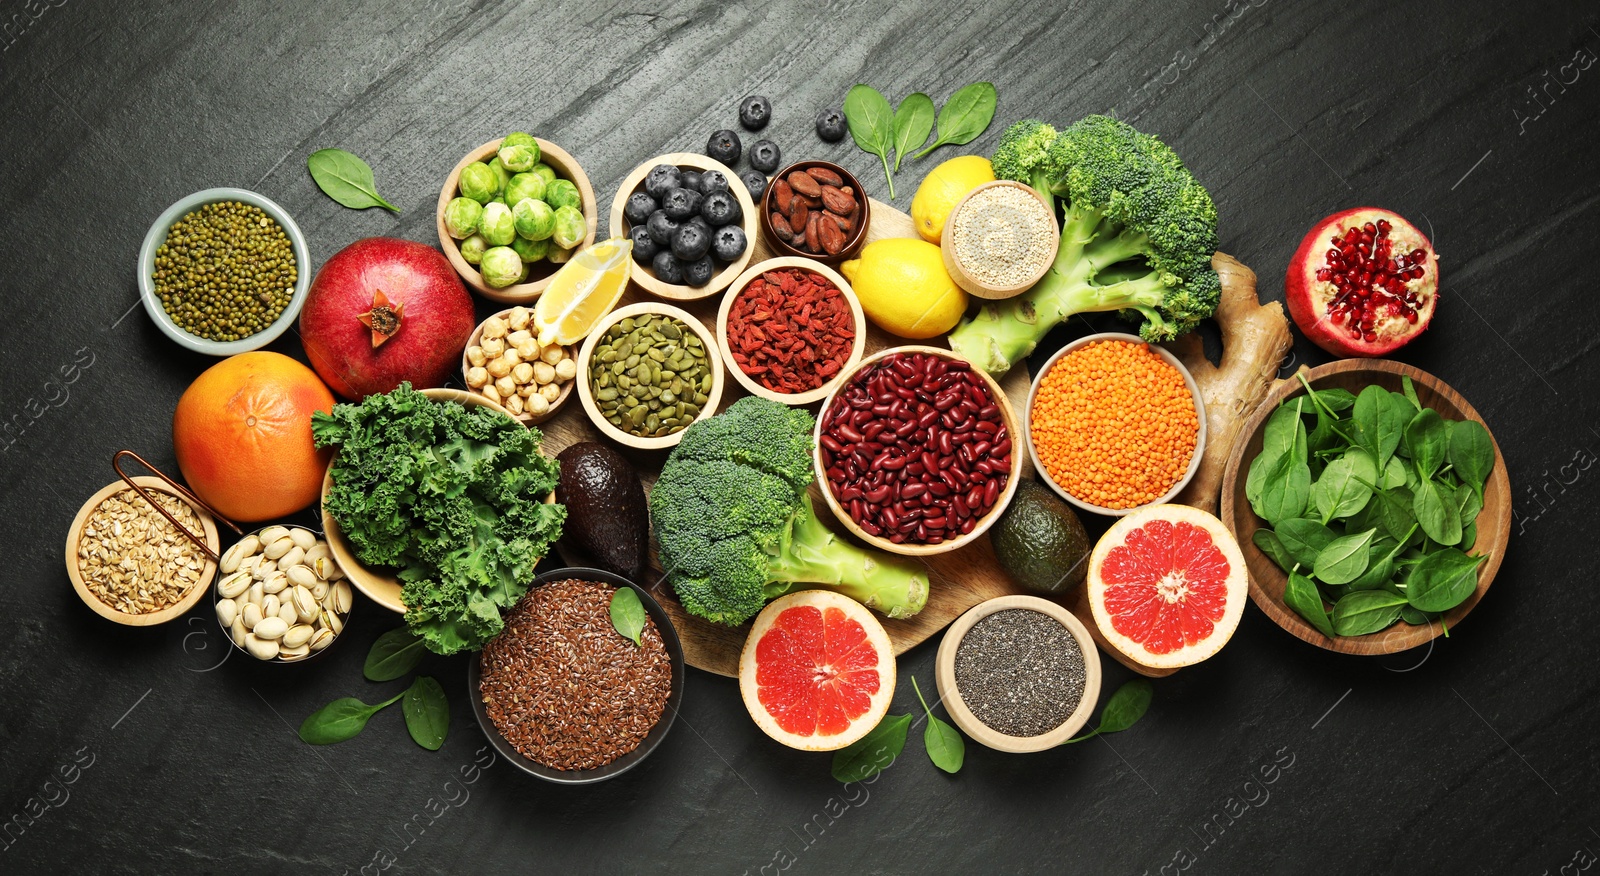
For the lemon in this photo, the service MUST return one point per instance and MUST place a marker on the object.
(904, 287)
(944, 186)
(582, 292)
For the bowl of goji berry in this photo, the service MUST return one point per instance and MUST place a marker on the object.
(790, 329)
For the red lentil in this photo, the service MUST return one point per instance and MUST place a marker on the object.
(791, 330)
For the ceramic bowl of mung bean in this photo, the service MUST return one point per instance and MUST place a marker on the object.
(130, 564)
(646, 372)
(280, 596)
(1000, 239)
(224, 271)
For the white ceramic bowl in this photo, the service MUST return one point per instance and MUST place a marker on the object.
(157, 235)
(1194, 393)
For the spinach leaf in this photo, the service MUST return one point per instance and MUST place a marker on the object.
(1344, 487)
(1410, 392)
(1414, 617)
(1336, 399)
(1426, 440)
(1469, 536)
(1470, 504)
(340, 720)
(394, 654)
(1394, 511)
(913, 122)
(1471, 452)
(1255, 480)
(965, 115)
(627, 614)
(1287, 490)
(346, 179)
(1366, 611)
(1378, 423)
(874, 752)
(945, 746)
(1122, 711)
(871, 122)
(1285, 432)
(1345, 558)
(1273, 547)
(1443, 580)
(1301, 595)
(1394, 474)
(427, 712)
(1437, 513)
(1304, 539)
(1380, 566)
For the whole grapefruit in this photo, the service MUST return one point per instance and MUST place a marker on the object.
(242, 434)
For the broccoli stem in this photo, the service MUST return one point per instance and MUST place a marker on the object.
(1004, 332)
(812, 557)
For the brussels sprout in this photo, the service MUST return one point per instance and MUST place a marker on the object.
(519, 152)
(461, 217)
(524, 185)
(501, 267)
(501, 175)
(479, 183)
(531, 250)
(498, 226)
(472, 248)
(545, 171)
(562, 193)
(559, 256)
(534, 219)
(570, 228)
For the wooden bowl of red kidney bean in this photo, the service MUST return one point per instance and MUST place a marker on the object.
(789, 329)
(917, 451)
(817, 210)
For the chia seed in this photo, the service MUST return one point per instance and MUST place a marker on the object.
(1020, 672)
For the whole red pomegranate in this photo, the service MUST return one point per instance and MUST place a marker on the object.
(382, 311)
(1364, 282)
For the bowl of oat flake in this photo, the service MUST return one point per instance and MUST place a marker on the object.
(1000, 239)
(130, 564)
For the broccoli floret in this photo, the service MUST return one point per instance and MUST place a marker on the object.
(1137, 235)
(736, 527)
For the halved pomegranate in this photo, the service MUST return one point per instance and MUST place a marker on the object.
(1364, 282)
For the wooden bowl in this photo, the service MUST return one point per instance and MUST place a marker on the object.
(642, 277)
(1194, 393)
(540, 273)
(950, 693)
(979, 288)
(1267, 581)
(1007, 416)
(815, 267)
(195, 593)
(586, 356)
(527, 418)
(382, 587)
(852, 244)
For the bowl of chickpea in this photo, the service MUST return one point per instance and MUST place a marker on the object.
(504, 362)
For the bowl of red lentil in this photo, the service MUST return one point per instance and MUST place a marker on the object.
(916, 451)
(1115, 424)
(565, 697)
(130, 564)
(789, 328)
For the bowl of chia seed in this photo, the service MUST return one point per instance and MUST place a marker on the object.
(1018, 673)
(224, 271)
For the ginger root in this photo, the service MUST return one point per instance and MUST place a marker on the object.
(1255, 337)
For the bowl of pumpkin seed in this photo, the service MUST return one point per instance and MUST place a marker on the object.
(224, 271)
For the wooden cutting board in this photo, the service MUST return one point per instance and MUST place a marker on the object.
(958, 580)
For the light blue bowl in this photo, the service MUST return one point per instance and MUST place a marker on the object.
(157, 235)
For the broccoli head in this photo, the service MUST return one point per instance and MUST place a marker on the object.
(736, 527)
(1137, 235)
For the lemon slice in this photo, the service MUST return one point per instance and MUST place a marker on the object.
(582, 292)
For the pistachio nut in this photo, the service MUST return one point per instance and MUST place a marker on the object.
(270, 628)
(304, 539)
(259, 648)
(251, 614)
(321, 639)
(234, 585)
(298, 635)
(278, 548)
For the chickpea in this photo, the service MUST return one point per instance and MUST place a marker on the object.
(553, 354)
(511, 357)
(518, 338)
(493, 347)
(566, 369)
(477, 376)
(494, 327)
(550, 391)
(529, 350)
(490, 393)
(543, 373)
(527, 389)
(518, 318)
(475, 355)
(514, 404)
(537, 405)
(522, 373)
(506, 387)
(498, 367)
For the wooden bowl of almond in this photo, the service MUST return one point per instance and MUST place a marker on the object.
(130, 564)
(282, 597)
(504, 363)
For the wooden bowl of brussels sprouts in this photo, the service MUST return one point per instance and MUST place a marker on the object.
(464, 228)
(738, 212)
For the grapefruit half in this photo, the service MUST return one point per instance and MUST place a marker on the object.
(817, 671)
(1167, 586)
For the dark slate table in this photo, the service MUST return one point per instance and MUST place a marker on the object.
(1476, 120)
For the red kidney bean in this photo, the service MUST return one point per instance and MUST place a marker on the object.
(878, 495)
(979, 449)
(945, 444)
(849, 433)
(987, 427)
(939, 488)
(974, 497)
(991, 493)
(927, 419)
(968, 524)
(913, 490)
(1001, 447)
(829, 442)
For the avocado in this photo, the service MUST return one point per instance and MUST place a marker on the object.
(608, 521)
(1040, 541)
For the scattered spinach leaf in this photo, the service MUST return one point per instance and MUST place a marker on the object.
(627, 614)
(965, 115)
(1345, 558)
(1123, 710)
(427, 712)
(945, 746)
(1301, 595)
(1443, 580)
(1366, 611)
(394, 654)
(913, 122)
(871, 122)
(874, 752)
(1414, 617)
(340, 720)
(346, 179)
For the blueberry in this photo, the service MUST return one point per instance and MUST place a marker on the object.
(663, 178)
(680, 204)
(666, 268)
(713, 181)
(644, 247)
(721, 208)
(661, 227)
(728, 243)
(831, 125)
(724, 147)
(756, 182)
(691, 242)
(765, 155)
(699, 272)
(640, 206)
(689, 179)
(755, 112)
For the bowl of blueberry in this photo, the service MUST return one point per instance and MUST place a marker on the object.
(692, 222)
